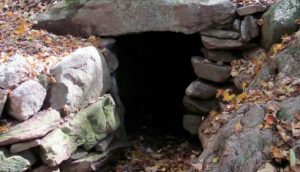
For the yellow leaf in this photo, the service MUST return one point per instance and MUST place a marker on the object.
(21, 28)
(238, 127)
(219, 93)
(227, 97)
(213, 113)
(241, 97)
(10, 14)
(278, 153)
(277, 48)
(48, 40)
(244, 85)
(215, 160)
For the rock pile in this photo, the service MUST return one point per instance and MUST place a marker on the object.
(69, 120)
(213, 70)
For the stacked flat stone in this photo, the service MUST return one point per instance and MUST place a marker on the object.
(73, 123)
(213, 70)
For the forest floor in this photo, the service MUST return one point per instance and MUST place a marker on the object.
(145, 152)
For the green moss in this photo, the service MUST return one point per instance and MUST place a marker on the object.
(283, 115)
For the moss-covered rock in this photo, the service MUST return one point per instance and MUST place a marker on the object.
(15, 162)
(279, 20)
(86, 129)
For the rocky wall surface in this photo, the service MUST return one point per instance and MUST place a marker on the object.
(64, 120)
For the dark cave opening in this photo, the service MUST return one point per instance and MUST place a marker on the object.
(154, 71)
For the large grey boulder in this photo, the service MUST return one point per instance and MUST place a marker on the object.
(37, 126)
(116, 17)
(13, 72)
(288, 109)
(244, 150)
(279, 20)
(80, 79)
(288, 61)
(86, 129)
(26, 100)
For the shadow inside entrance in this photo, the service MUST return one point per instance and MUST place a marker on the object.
(154, 71)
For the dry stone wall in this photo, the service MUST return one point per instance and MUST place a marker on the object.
(66, 119)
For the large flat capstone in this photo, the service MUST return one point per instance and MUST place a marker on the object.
(117, 17)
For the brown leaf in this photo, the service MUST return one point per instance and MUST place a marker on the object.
(199, 166)
(238, 128)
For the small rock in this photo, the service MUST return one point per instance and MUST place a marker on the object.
(201, 89)
(80, 79)
(226, 44)
(218, 55)
(35, 127)
(103, 145)
(251, 9)
(191, 123)
(210, 71)
(45, 168)
(237, 25)
(15, 71)
(26, 100)
(3, 98)
(19, 147)
(222, 34)
(111, 59)
(199, 106)
(249, 28)
(16, 162)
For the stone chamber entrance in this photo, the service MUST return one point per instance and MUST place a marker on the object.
(154, 71)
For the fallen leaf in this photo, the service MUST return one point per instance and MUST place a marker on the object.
(213, 113)
(21, 28)
(270, 119)
(277, 48)
(234, 73)
(295, 129)
(241, 97)
(238, 128)
(278, 153)
(227, 97)
(198, 166)
(215, 160)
